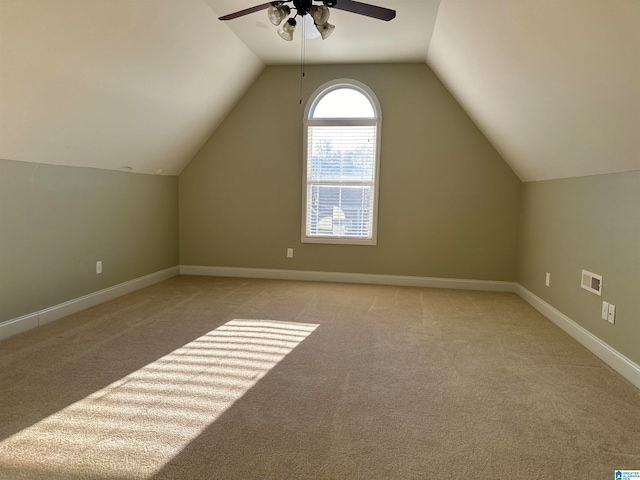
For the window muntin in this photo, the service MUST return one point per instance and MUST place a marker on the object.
(342, 124)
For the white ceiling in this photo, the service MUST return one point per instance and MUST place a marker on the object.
(553, 84)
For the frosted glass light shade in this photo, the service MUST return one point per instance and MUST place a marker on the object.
(320, 14)
(325, 30)
(278, 14)
(286, 31)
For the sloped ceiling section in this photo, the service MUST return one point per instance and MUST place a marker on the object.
(553, 84)
(116, 83)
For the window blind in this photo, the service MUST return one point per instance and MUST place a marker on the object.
(341, 168)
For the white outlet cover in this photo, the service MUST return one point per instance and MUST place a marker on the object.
(612, 313)
(605, 311)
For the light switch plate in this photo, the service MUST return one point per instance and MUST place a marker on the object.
(605, 311)
(612, 313)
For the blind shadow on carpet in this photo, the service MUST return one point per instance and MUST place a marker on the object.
(133, 427)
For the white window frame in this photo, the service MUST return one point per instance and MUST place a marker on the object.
(307, 122)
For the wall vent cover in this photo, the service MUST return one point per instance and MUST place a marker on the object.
(592, 282)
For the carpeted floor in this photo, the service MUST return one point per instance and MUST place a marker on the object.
(212, 378)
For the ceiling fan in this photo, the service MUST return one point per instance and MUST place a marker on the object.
(318, 14)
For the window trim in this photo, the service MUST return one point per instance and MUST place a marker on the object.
(315, 98)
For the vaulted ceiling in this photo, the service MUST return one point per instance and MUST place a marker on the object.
(553, 84)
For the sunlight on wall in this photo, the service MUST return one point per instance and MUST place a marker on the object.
(133, 427)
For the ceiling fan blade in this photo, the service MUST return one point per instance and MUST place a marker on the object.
(246, 11)
(372, 11)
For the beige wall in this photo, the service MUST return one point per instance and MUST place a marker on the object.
(448, 202)
(56, 222)
(590, 223)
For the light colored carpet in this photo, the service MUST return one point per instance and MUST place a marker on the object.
(211, 378)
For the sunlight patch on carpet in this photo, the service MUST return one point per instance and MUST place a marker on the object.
(133, 427)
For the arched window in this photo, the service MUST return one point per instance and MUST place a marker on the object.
(341, 164)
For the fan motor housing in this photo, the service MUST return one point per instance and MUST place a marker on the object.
(302, 6)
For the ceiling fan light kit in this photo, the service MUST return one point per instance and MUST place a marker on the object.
(318, 15)
(277, 11)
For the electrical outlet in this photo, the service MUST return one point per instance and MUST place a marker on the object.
(547, 279)
(99, 267)
(289, 252)
(605, 311)
(612, 314)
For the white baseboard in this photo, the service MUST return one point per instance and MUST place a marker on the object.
(338, 277)
(621, 364)
(42, 317)
(18, 325)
